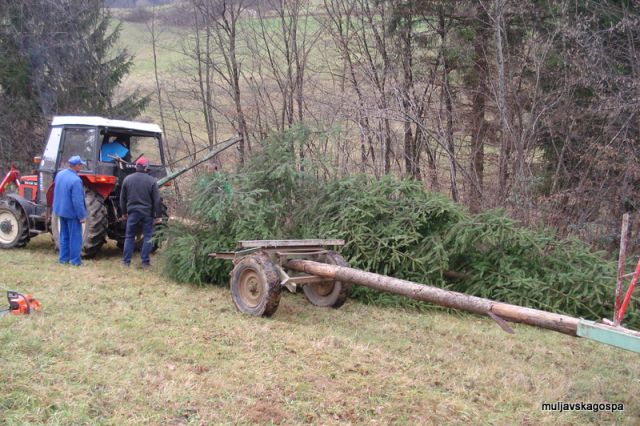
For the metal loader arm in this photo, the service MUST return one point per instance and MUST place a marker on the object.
(213, 152)
(12, 176)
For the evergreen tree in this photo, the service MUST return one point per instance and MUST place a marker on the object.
(57, 57)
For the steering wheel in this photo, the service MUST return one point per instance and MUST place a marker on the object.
(118, 159)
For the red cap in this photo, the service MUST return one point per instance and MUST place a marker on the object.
(142, 162)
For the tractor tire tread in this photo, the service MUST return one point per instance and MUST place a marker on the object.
(258, 262)
(97, 222)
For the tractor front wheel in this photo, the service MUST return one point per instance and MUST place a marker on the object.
(94, 229)
(14, 225)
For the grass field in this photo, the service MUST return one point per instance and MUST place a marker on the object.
(118, 346)
(136, 38)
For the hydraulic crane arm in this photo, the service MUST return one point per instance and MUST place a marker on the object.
(212, 153)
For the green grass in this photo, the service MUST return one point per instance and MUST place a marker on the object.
(136, 38)
(116, 346)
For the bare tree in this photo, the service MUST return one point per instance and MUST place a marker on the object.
(340, 25)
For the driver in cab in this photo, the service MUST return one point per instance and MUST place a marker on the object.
(114, 148)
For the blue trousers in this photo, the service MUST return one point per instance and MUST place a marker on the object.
(70, 241)
(134, 220)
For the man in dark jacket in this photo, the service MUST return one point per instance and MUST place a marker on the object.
(68, 205)
(140, 204)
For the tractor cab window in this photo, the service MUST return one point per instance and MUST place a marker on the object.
(149, 146)
(50, 155)
(115, 147)
(82, 142)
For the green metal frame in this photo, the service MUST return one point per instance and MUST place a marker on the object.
(614, 336)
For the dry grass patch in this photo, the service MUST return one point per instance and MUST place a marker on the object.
(118, 346)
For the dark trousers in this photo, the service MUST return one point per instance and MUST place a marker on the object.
(70, 241)
(134, 220)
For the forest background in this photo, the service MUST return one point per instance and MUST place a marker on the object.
(530, 106)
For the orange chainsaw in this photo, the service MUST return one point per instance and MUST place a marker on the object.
(20, 304)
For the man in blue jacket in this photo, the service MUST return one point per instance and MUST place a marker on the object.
(68, 205)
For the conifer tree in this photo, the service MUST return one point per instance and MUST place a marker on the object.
(57, 57)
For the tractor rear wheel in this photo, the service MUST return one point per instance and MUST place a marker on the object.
(328, 293)
(94, 233)
(255, 286)
(94, 229)
(14, 224)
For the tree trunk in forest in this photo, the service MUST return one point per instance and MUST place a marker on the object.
(446, 98)
(434, 182)
(234, 71)
(411, 154)
(381, 78)
(203, 62)
(505, 134)
(478, 122)
(387, 145)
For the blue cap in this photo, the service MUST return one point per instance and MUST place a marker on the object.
(75, 160)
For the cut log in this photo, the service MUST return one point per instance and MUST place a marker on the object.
(450, 299)
(557, 322)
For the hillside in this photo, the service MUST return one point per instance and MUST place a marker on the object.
(124, 346)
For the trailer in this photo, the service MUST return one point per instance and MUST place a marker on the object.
(260, 273)
(262, 268)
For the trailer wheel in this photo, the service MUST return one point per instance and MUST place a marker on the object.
(255, 286)
(14, 225)
(328, 293)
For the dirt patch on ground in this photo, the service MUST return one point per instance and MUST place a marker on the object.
(263, 412)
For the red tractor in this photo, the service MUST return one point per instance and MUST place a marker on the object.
(28, 212)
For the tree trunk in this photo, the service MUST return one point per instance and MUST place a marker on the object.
(478, 122)
(446, 98)
(204, 74)
(235, 75)
(411, 153)
(505, 134)
(450, 299)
